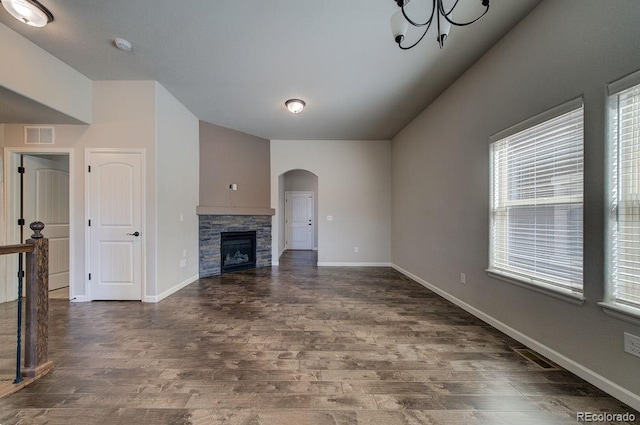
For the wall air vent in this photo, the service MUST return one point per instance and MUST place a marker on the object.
(37, 135)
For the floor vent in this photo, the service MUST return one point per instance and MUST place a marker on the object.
(536, 358)
(37, 135)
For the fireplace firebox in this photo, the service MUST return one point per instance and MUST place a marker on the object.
(237, 251)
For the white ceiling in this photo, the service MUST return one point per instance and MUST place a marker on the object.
(234, 63)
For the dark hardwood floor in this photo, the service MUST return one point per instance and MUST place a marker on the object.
(293, 344)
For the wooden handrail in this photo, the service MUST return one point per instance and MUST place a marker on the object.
(16, 249)
(36, 331)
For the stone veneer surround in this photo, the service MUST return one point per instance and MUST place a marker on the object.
(211, 226)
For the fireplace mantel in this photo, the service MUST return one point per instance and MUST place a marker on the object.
(207, 210)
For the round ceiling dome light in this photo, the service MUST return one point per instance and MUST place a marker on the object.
(29, 12)
(122, 44)
(295, 106)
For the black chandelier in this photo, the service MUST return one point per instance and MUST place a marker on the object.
(441, 13)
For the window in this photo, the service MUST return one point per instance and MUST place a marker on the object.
(623, 241)
(537, 201)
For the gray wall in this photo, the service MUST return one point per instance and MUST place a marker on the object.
(177, 146)
(354, 188)
(440, 174)
(229, 156)
(64, 89)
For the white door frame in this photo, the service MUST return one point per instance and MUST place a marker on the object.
(12, 199)
(143, 201)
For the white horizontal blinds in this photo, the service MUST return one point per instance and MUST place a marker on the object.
(625, 241)
(537, 202)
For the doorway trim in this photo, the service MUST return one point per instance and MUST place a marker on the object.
(11, 198)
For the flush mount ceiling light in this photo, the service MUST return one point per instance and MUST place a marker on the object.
(295, 106)
(441, 16)
(30, 12)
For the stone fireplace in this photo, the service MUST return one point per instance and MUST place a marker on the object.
(239, 232)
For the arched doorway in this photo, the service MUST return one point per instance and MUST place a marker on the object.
(298, 211)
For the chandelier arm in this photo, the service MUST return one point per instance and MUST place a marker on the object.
(416, 24)
(416, 43)
(445, 13)
(464, 24)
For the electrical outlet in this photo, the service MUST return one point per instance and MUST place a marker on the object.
(356, 249)
(184, 253)
(329, 218)
(463, 278)
(183, 263)
(181, 217)
(632, 344)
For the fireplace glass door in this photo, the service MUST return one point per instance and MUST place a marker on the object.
(238, 251)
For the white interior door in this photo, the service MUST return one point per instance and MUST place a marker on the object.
(46, 199)
(115, 230)
(299, 222)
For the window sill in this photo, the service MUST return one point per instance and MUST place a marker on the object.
(621, 312)
(567, 295)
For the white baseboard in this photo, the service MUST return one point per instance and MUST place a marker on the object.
(345, 264)
(583, 372)
(173, 290)
(277, 262)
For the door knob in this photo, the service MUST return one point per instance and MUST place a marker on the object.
(136, 234)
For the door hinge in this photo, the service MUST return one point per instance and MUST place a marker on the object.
(21, 222)
(89, 276)
(20, 274)
(89, 168)
(21, 170)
